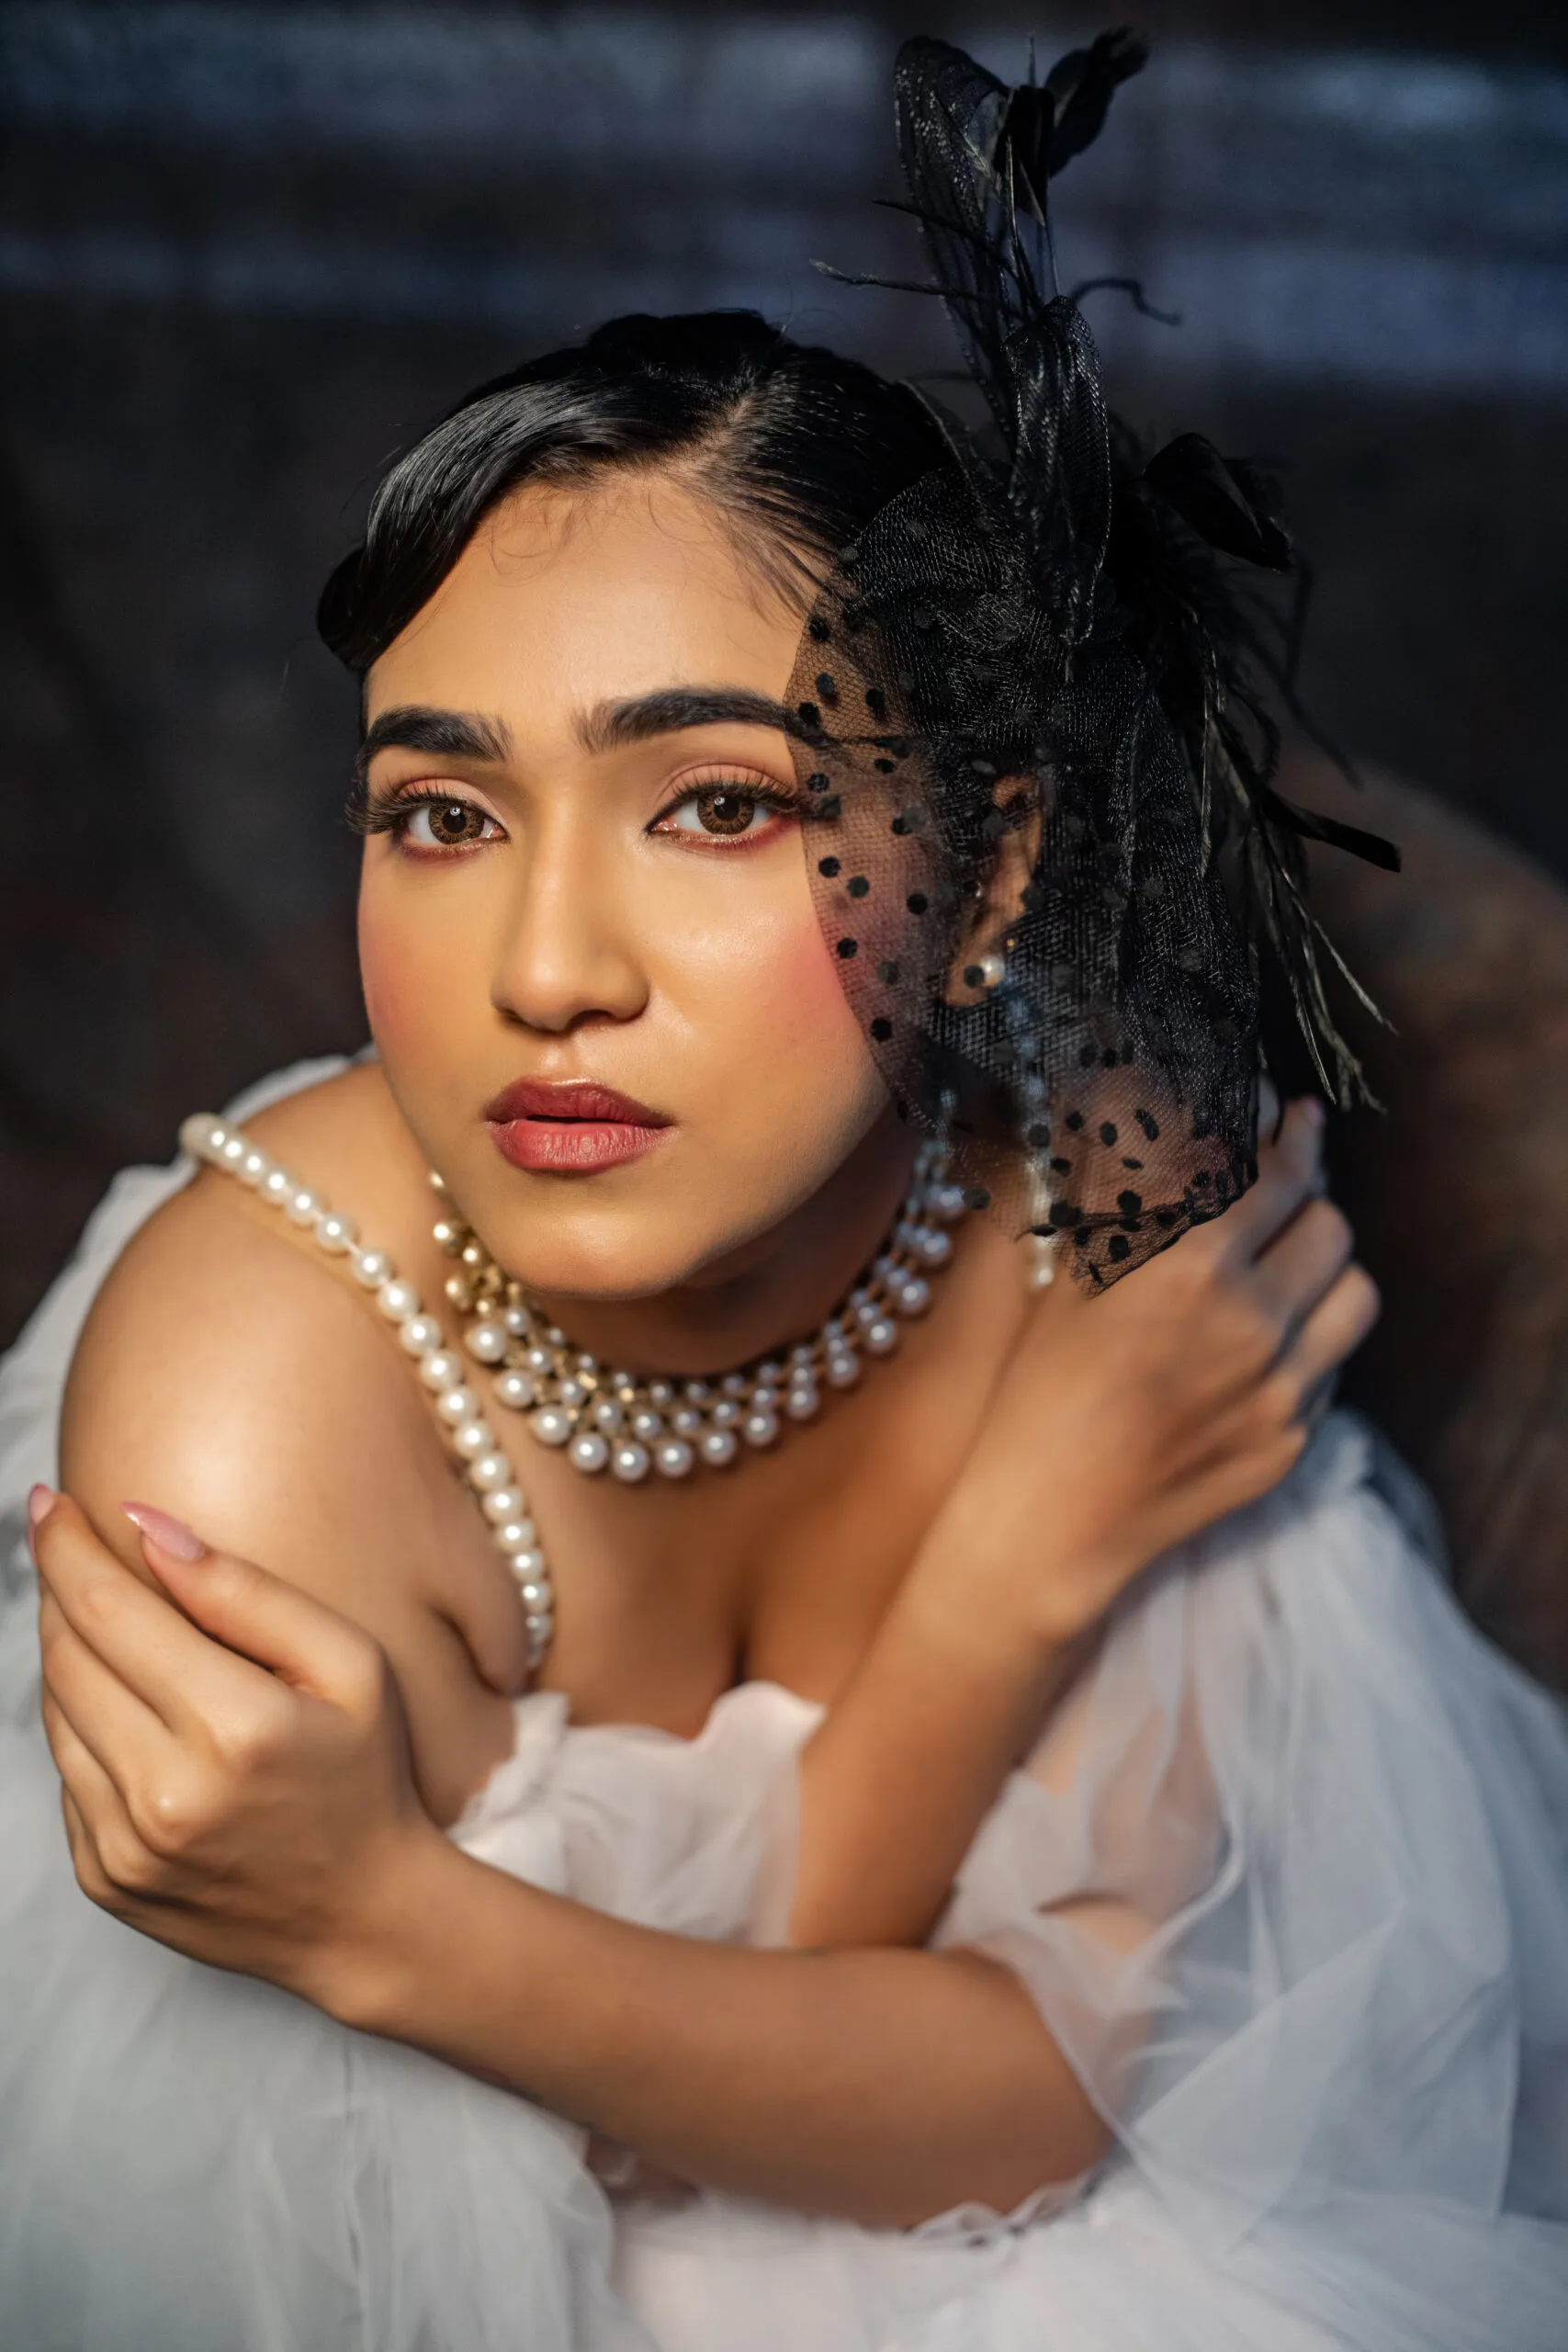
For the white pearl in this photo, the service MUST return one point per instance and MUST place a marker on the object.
(913, 1296)
(698, 1392)
(763, 1398)
(516, 1319)
(760, 1429)
(571, 1392)
(202, 1133)
(734, 1384)
(802, 1403)
(275, 1187)
(488, 1471)
(505, 1503)
(397, 1300)
(443, 1370)
(233, 1149)
(419, 1334)
(372, 1267)
(304, 1208)
(551, 1425)
(487, 1340)
(993, 970)
(456, 1404)
(446, 1235)
(661, 1395)
(725, 1414)
(867, 1313)
(946, 1201)
(473, 1441)
(686, 1421)
(540, 1629)
(516, 1390)
(802, 1356)
(555, 1335)
(630, 1462)
(334, 1233)
(843, 1369)
(674, 1458)
(589, 1452)
(646, 1426)
(881, 1337)
(253, 1166)
(860, 1296)
(936, 1249)
(539, 1359)
(832, 1331)
(718, 1446)
(607, 1414)
(532, 1594)
(516, 1536)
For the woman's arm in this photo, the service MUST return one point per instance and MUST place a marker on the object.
(1120, 1427)
(238, 1785)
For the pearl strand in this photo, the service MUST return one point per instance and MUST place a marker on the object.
(630, 1424)
(483, 1461)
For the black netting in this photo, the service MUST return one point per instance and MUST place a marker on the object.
(1033, 665)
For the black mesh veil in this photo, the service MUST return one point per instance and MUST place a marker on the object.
(1067, 900)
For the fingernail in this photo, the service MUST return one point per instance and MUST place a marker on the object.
(40, 1502)
(171, 1535)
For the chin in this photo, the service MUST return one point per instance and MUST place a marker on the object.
(574, 1247)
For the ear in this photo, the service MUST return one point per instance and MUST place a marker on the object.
(980, 956)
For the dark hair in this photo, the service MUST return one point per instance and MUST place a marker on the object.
(789, 439)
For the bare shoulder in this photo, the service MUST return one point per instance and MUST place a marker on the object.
(230, 1373)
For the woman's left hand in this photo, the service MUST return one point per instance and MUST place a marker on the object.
(235, 1762)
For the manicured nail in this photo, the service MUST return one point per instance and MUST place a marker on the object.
(171, 1535)
(40, 1502)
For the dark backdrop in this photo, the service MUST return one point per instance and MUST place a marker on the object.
(247, 251)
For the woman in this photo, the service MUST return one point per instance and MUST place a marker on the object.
(811, 1810)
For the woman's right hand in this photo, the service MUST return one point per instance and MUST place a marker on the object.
(1126, 1422)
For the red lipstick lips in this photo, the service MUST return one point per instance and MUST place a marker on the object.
(570, 1126)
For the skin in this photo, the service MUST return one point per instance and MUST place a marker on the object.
(256, 1759)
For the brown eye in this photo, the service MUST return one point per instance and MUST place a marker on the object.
(447, 824)
(723, 811)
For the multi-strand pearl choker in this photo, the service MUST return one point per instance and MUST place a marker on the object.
(612, 1419)
(628, 1424)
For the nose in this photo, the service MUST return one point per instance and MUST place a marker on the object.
(569, 953)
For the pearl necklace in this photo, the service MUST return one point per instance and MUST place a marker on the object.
(481, 1458)
(630, 1424)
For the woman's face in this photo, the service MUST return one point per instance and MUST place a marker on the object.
(591, 958)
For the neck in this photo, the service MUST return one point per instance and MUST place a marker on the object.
(772, 1289)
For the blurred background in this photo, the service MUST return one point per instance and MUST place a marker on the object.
(248, 251)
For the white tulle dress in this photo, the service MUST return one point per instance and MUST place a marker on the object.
(1342, 1819)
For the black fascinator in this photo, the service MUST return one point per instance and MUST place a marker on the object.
(1035, 731)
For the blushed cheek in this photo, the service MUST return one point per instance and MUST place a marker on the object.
(401, 971)
(794, 1035)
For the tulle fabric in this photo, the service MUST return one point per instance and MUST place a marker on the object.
(1288, 1878)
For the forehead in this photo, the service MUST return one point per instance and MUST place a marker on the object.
(565, 598)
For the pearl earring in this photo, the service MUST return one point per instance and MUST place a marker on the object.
(988, 972)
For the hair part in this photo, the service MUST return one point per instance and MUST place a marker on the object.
(793, 445)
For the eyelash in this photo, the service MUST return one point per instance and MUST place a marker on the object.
(368, 813)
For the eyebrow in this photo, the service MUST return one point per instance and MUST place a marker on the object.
(420, 727)
(611, 725)
(607, 727)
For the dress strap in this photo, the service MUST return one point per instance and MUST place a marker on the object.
(484, 1465)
